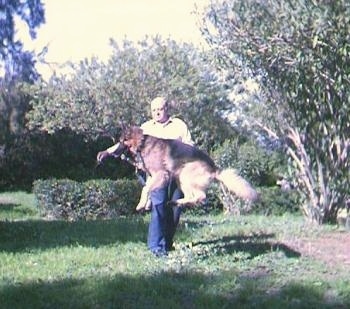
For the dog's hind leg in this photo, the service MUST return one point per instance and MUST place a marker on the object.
(191, 197)
(193, 179)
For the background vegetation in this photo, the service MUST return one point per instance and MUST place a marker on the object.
(265, 86)
(269, 97)
(298, 51)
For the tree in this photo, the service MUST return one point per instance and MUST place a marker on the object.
(300, 51)
(16, 64)
(98, 97)
(14, 60)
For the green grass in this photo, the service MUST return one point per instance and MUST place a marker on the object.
(17, 205)
(219, 262)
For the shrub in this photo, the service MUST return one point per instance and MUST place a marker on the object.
(262, 168)
(72, 200)
(275, 201)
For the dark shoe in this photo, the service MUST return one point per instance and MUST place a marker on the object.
(170, 248)
(160, 253)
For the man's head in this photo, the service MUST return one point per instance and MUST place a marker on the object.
(159, 109)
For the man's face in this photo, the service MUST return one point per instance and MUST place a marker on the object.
(159, 112)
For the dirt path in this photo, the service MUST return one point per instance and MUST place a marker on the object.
(332, 248)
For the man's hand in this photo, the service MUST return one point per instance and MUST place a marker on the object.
(102, 155)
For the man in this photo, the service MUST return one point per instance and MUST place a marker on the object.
(163, 126)
(164, 219)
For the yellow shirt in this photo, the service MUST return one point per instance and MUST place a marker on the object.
(173, 128)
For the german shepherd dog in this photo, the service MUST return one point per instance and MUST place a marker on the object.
(193, 170)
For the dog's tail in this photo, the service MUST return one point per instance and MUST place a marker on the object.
(237, 184)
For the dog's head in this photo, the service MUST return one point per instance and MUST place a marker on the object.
(131, 137)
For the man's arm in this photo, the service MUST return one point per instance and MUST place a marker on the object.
(115, 151)
(186, 137)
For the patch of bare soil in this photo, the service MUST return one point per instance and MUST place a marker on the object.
(331, 248)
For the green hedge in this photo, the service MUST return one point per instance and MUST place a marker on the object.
(72, 200)
(275, 201)
(262, 168)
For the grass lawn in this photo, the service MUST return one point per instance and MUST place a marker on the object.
(219, 262)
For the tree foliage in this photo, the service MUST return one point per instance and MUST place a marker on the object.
(16, 65)
(98, 97)
(300, 50)
(16, 62)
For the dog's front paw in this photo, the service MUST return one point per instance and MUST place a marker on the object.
(148, 205)
(140, 207)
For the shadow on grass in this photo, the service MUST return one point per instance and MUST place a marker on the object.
(163, 290)
(20, 236)
(8, 206)
(254, 245)
(15, 210)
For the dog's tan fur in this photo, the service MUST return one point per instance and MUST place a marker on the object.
(192, 169)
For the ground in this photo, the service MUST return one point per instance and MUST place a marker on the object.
(332, 248)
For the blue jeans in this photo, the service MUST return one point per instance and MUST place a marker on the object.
(164, 218)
